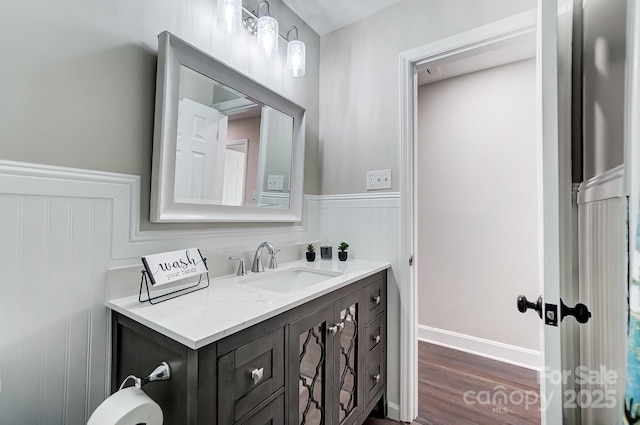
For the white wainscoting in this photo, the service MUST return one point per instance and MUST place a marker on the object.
(603, 256)
(370, 224)
(61, 230)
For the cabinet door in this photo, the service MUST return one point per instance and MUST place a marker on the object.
(310, 369)
(348, 357)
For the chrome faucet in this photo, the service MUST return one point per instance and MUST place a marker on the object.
(257, 266)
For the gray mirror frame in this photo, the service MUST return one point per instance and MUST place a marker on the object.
(172, 53)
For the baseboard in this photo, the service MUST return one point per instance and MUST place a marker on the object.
(506, 353)
(393, 411)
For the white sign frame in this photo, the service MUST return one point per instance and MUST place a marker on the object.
(169, 267)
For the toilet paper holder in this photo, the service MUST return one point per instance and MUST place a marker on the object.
(161, 373)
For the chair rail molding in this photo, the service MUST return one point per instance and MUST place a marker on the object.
(123, 190)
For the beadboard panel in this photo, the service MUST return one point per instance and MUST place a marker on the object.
(603, 288)
(62, 230)
(53, 323)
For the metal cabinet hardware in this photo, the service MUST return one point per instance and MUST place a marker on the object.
(257, 375)
(335, 328)
(376, 299)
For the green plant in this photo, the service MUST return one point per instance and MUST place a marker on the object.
(311, 248)
(343, 246)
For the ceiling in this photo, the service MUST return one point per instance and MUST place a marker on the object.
(516, 49)
(325, 16)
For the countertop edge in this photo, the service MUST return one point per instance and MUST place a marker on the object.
(194, 344)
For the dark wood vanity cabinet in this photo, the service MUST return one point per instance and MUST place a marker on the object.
(323, 362)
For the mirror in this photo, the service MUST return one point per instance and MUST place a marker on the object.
(225, 147)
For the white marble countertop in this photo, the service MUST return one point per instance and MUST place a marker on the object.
(231, 303)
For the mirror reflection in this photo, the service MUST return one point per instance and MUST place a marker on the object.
(230, 149)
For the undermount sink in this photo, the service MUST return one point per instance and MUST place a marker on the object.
(290, 280)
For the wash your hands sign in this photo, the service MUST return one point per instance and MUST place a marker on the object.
(168, 267)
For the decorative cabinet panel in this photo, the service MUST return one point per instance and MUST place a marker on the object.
(321, 363)
(348, 358)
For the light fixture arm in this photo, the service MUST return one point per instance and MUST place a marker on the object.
(291, 28)
(250, 20)
(260, 5)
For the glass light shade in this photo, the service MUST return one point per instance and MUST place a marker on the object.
(296, 57)
(229, 16)
(267, 36)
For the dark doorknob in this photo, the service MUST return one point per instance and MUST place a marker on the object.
(580, 312)
(524, 304)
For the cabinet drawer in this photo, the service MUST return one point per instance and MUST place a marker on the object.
(376, 299)
(375, 336)
(248, 375)
(375, 378)
(273, 414)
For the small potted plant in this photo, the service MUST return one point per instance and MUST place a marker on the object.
(342, 248)
(311, 253)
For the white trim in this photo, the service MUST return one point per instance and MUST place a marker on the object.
(355, 196)
(393, 411)
(479, 38)
(494, 350)
(129, 242)
(610, 184)
(387, 199)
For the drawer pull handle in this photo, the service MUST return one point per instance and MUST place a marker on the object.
(376, 339)
(257, 375)
(376, 299)
(335, 328)
(376, 378)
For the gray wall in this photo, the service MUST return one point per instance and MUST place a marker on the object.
(477, 204)
(359, 86)
(603, 61)
(79, 80)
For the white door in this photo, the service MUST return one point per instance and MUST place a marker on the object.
(200, 153)
(234, 177)
(554, 101)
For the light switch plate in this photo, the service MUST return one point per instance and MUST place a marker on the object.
(380, 179)
(275, 182)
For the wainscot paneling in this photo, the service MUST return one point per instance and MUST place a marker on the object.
(602, 224)
(370, 224)
(61, 230)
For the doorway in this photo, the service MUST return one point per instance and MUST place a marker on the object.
(477, 234)
(552, 27)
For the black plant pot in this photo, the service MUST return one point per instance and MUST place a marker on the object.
(311, 257)
(342, 255)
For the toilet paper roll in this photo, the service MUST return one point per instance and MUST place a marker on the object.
(128, 406)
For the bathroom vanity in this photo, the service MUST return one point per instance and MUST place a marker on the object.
(304, 344)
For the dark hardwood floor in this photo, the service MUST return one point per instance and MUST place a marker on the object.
(457, 388)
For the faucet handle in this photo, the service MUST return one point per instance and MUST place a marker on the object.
(273, 264)
(242, 270)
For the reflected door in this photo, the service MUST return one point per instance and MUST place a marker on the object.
(200, 153)
(234, 175)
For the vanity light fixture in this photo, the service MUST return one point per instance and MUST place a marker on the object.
(295, 54)
(229, 16)
(267, 33)
(265, 28)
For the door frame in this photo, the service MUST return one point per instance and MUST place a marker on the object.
(485, 37)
